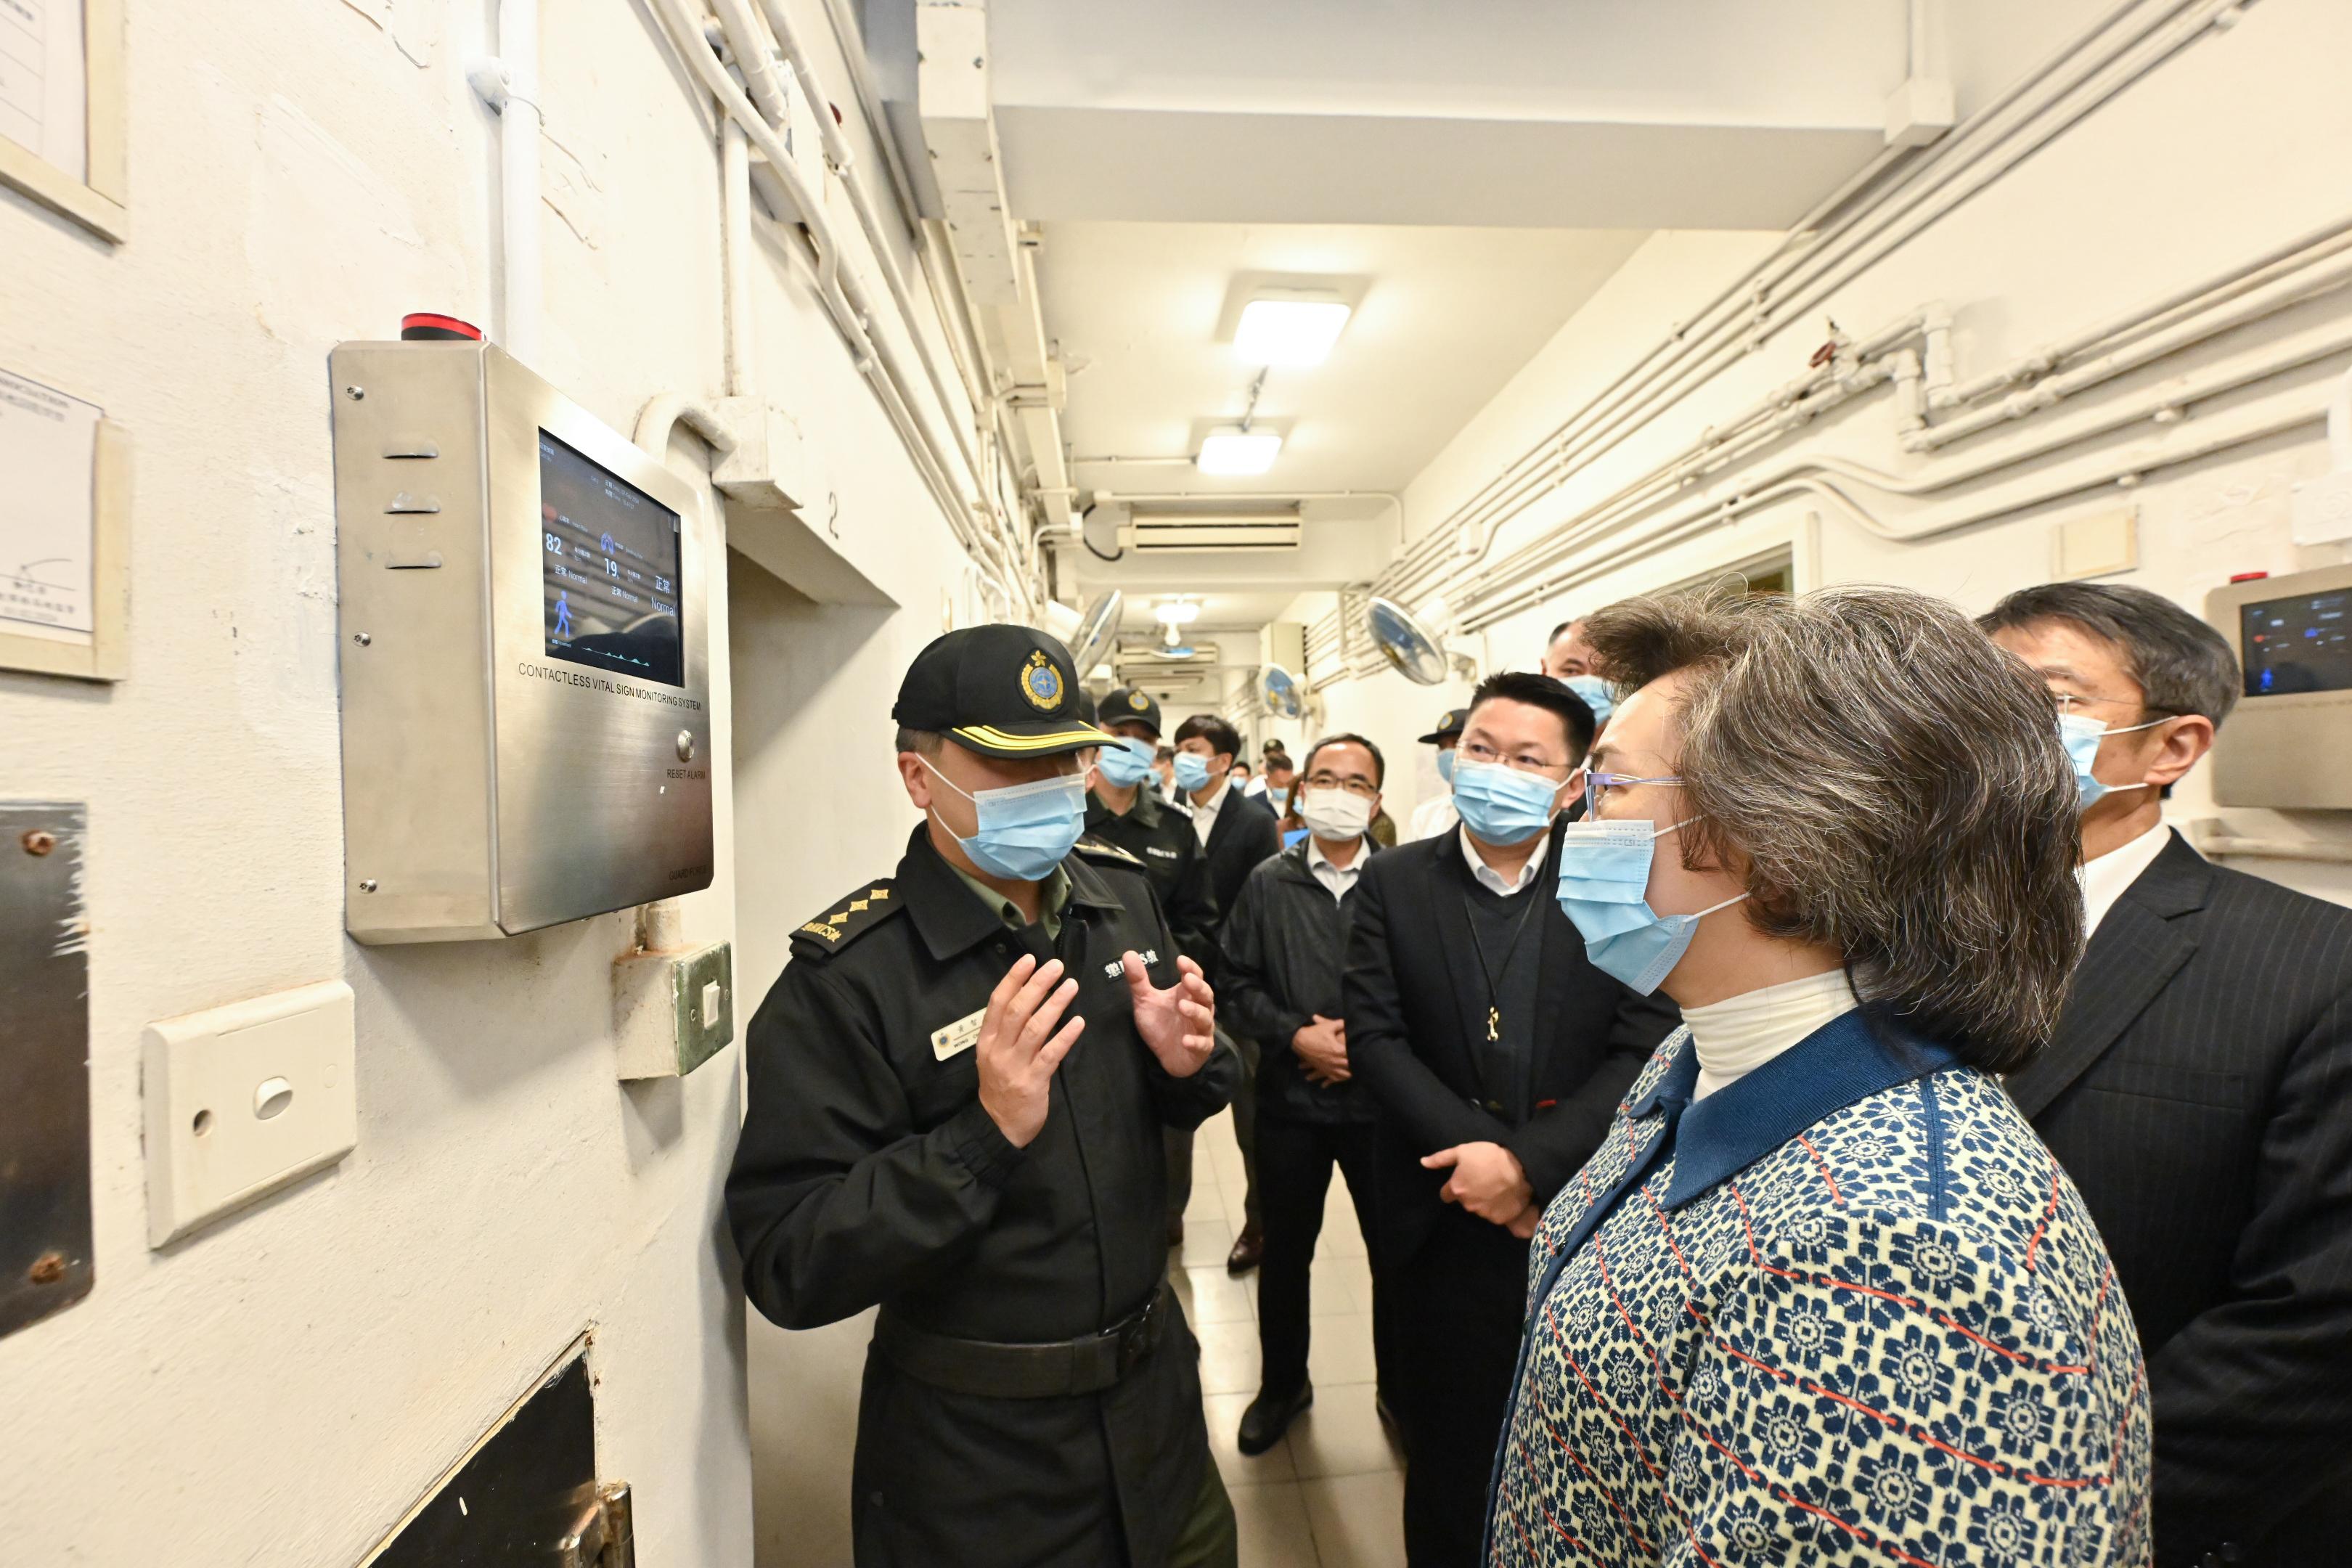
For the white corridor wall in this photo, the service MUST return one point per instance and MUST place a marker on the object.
(276, 1390)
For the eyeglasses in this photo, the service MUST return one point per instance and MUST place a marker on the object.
(1526, 762)
(1356, 787)
(1598, 785)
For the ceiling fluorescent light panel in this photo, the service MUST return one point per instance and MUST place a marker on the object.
(1289, 329)
(1238, 452)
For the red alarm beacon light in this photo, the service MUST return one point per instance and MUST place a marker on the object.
(424, 326)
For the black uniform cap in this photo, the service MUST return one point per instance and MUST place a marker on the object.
(1126, 704)
(1003, 691)
(1449, 723)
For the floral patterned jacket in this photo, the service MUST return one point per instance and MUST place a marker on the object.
(1848, 1308)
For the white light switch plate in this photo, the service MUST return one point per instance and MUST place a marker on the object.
(243, 1099)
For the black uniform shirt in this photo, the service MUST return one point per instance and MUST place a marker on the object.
(869, 1172)
(1159, 833)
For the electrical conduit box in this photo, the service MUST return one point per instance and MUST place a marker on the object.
(524, 652)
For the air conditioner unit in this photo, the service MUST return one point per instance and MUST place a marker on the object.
(1149, 532)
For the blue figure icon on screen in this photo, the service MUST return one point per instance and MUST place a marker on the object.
(607, 542)
(564, 617)
(2269, 677)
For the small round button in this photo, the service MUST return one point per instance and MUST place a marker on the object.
(685, 745)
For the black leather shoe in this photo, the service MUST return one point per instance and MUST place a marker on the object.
(1268, 1418)
(1249, 1247)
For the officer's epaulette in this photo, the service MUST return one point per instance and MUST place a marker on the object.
(849, 919)
(1102, 850)
(1179, 806)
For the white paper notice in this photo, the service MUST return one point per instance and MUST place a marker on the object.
(44, 81)
(48, 509)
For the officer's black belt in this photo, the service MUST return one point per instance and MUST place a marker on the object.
(1087, 1364)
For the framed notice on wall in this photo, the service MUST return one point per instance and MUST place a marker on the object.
(65, 556)
(61, 134)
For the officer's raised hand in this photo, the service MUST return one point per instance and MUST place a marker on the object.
(1179, 1024)
(1019, 1049)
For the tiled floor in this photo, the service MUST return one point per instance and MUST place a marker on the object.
(1331, 1493)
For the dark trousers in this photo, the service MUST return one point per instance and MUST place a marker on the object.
(1459, 1302)
(1294, 1169)
(1178, 1143)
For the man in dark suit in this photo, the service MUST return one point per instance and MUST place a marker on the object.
(1236, 831)
(2200, 1092)
(1496, 1054)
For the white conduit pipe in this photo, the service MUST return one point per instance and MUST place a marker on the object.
(835, 288)
(1982, 133)
(735, 204)
(516, 96)
(2165, 401)
(2183, 444)
(2326, 240)
(879, 243)
(2048, 392)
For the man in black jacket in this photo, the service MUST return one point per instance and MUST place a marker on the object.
(1285, 942)
(1236, 832)
(1122, 808)
(2200, 1092)
(1497, 1053)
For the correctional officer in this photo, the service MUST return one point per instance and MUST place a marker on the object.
(1122, 809)
(957, 1092)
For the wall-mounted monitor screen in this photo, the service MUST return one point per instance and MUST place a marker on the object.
(2298, 644)
(611, 555)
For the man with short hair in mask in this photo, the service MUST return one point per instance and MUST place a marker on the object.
(1283, 941)
(1497, 1053)
(2199, 1090)
(1121, 810)
(1566, 654)
(956, 1095)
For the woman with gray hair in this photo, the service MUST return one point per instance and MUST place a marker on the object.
(1822, 1295)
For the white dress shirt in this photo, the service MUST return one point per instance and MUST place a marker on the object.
(1432, 817)
(2105, 879)
(1492, 880)
(1337, 878)
(1205, 813)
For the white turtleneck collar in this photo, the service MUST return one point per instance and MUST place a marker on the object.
(1736, 1035)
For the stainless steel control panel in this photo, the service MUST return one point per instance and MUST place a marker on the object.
(2289, 744)
(524, 652)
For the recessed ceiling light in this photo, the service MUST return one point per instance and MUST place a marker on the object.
(1289, 329)
(1238, 451)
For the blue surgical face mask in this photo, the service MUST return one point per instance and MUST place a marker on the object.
(2081, 735)
(1604, 879)
(1597, 695)
(1192, 771)
(1126, 764)
(1503, 806)
(1446, 764)
(1021, 831)
(1278, 797)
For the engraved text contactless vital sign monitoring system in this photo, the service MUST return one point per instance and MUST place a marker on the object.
(525, 666)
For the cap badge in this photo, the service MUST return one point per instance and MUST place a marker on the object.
(1137, 700)
(1041, 682)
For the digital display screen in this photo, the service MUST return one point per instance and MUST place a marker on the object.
(2303, 644)
(611, 557)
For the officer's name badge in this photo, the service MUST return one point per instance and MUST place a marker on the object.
(957, 1038)
(1116, 968)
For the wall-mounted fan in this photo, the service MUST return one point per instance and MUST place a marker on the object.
(1410, 646)
(1283, 697)
(1090, 644)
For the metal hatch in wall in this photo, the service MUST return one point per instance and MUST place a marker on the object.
(526, 1495)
